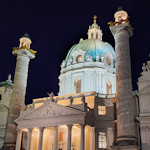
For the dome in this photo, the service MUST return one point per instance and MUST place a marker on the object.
(92, 47)
(26, 35)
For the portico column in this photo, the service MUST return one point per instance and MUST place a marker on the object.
(82, 135)
(69, 137)
(29, 138)
(18, 142)
(56, 138)
(40, 138)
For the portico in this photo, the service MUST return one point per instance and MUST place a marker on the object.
(63, 137)
(46, 128)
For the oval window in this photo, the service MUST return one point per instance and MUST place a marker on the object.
(108, 61)
(79, 58)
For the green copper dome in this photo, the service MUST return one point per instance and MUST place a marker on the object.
(92, 47)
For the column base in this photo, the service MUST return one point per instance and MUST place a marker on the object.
(126, 147)
(126, 143)
(9, 147)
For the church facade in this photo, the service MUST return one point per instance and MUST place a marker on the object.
(87, 114)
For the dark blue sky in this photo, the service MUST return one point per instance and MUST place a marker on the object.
(54, 26)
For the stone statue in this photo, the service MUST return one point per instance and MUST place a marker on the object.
(56, 99)
(91, 58)
(69, 61)
(97, 58)
(83, 99)
(51, 95)
(144, 67)
(9, 78)
(23, 107)
(148, 66)
(88, 58)
(63, 64)
(102, 58)
(71, 100)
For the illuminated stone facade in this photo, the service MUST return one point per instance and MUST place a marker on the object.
(76, 117)
(86, 115)
(82, 116)
(5, 96)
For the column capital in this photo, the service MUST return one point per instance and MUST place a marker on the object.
(41, 128)
(29, 130)
(23, 52)
(82, 135)
(82, 124)
(69, 125)
(18, 129)
(124, 26)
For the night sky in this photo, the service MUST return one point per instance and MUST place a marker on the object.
(54, 26)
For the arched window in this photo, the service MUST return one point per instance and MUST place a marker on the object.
(22, 43)
(109, 87)
(102, 140)
(96, 35)
(77, 86)
(27, 44)
(119, 18)
(92, 35)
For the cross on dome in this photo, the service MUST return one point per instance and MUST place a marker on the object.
(95, 17)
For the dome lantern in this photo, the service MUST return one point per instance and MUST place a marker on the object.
(120, 15)
(25, 41)
(94, 31)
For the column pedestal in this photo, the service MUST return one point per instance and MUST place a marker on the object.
(125, 147)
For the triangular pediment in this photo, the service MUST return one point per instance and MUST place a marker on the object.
(49, 109)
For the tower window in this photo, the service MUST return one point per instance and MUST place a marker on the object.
(97, 35)
(0, 97)
(102, 110)
(109, 87)
(21, 43)
(77, 86)
(119, 18)
(102, 140)
(92, 35)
